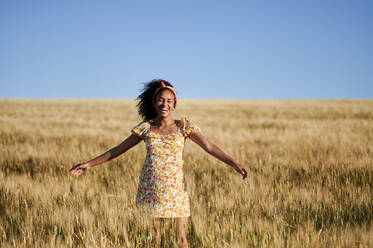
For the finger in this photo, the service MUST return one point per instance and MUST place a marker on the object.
(76, 172)
(80, 171)
(244, 173)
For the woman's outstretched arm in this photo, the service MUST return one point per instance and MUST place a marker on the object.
(214, 150)
(127, 144)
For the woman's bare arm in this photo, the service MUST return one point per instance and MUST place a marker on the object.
(114, 152)
(214, 150)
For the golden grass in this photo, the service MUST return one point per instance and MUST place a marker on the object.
(310, 178)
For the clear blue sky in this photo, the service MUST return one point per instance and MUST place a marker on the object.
(207, 49)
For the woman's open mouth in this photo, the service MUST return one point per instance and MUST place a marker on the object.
(164, 110)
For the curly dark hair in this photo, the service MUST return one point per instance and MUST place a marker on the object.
(145, 104)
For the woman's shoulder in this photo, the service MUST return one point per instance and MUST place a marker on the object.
(143, 124)
(141, 128)
(187, 126)
(184, 119)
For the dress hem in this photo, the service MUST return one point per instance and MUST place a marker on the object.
(169, 217)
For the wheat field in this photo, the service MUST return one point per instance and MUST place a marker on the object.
(310, 180)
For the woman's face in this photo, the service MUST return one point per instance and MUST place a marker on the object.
(164, 104)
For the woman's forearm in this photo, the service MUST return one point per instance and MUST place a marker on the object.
(219, 154)
(212, 149)
(114, 152)
(99, 160)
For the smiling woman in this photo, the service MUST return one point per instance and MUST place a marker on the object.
(150, 97)
(161, 190)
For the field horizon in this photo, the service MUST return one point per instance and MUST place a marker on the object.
(310, 180)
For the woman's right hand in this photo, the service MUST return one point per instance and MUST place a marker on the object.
(242, 170)
(78, 169)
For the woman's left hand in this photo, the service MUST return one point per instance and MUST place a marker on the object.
(240, 169)
(78, 169)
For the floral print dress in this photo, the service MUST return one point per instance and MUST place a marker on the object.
(161, 190)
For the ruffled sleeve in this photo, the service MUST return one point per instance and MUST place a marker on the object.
(189, 127)
(141, 129)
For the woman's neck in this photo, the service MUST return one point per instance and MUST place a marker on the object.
(164, 122)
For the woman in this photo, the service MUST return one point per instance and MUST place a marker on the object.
(161, 192)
